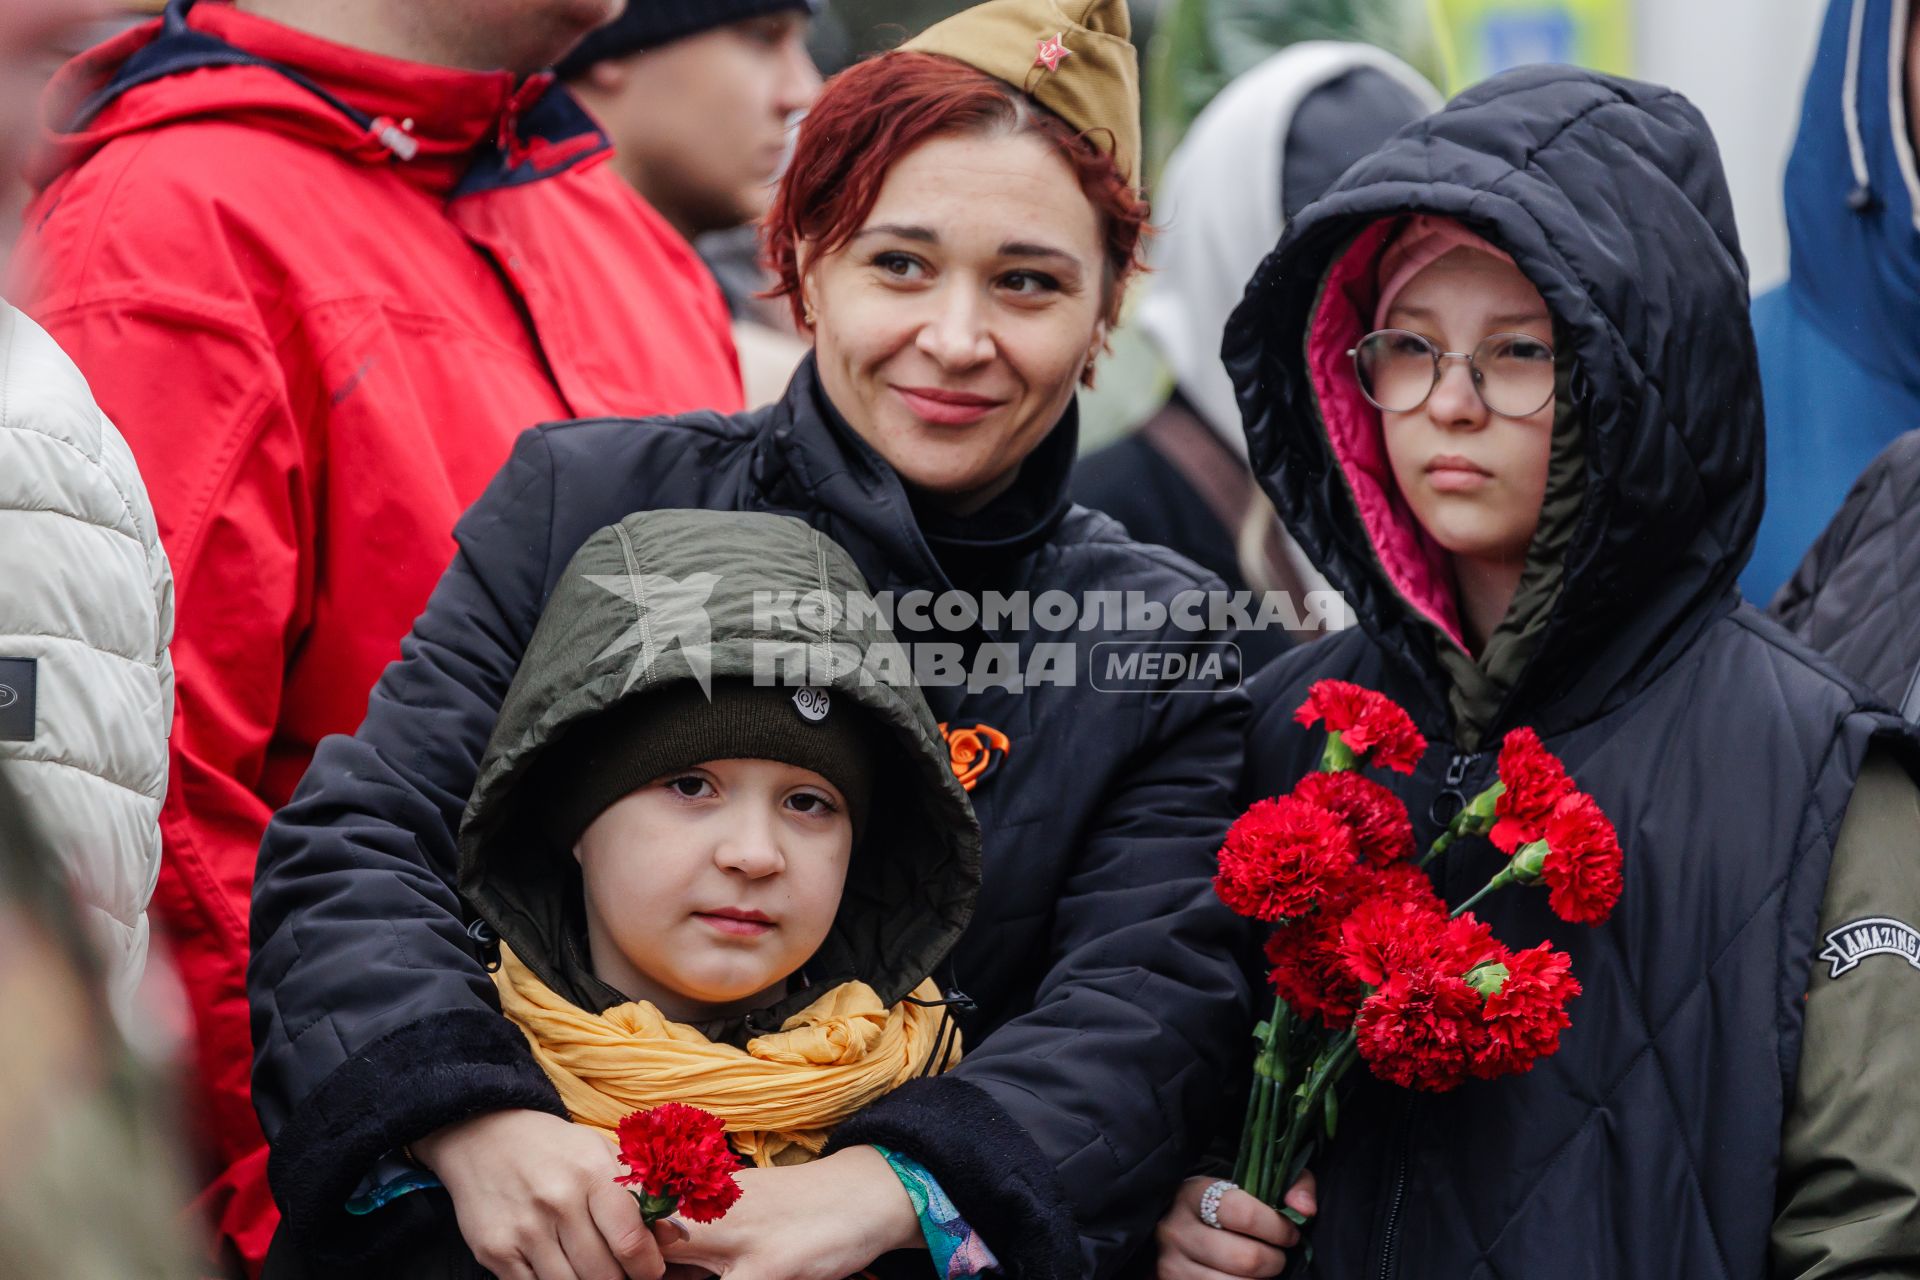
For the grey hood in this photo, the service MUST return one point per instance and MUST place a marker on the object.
(1252, 160)
(666, 597)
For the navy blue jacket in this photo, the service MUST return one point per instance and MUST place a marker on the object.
(1724, 751)
(1108, 996)
(1840, 340)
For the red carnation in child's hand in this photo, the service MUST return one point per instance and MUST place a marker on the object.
(1307, 970)
(1535, 781)
(1526, 1015)
(1310, 968)
(1422, 1029)
(1582, 867)
(1466, 943)
(1282, 859)
(678, 1159)
(1397, 922)
(1371, 725)
(1377, 817)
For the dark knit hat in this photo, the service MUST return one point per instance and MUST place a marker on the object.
(620, 751)
(648, 24)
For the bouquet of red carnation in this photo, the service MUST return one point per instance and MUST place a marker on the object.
(1368, 963)
(678, 1161)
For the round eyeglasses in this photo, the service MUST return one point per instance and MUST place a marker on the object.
(1512, 373)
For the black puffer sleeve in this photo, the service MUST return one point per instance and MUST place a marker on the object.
(374, 1022)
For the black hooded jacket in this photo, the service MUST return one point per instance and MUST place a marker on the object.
(1856, 596)
(1724, 751)
(1109, 1001)
(915, 869)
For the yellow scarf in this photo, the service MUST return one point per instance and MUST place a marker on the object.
(779, 1098)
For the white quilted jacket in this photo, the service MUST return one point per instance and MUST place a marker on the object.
(86, 614)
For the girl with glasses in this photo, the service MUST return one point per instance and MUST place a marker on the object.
(1501, 384)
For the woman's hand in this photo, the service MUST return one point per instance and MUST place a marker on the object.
(536, 1199)
(825, 1220)
(1249, 1242)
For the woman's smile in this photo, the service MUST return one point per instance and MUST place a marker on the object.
(941, 407)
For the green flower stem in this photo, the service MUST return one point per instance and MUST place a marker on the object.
(1246, 1134)
(1256, 1139)
(652, 1207)
(1250, 1129)
(1474, 819)
(1337, 756)
(1296, 1145)
(1263, 1135)
(1499, 881)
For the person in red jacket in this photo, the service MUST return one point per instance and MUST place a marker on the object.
(322, 263)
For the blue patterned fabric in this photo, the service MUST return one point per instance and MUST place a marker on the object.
(392, 1178)
(957, 1248)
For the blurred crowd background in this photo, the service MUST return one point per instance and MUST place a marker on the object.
(1740, 61)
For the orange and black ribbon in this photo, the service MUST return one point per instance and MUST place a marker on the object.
(974, 751)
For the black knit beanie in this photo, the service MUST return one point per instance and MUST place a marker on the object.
(648, 24)
(623, 749)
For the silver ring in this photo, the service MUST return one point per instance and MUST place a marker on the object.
(1210, 1202)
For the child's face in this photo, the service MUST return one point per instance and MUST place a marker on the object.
(707, 888)
(1474, 479)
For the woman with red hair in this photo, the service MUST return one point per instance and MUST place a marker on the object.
(956, 232)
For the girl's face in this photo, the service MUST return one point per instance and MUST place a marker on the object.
(952, 329)
(706, 889)
(1474, 479)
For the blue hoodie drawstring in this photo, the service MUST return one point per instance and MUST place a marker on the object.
(1860, 199)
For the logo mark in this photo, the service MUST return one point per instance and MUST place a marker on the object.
(813, 704)
(666, 611)
(1172, 666)
(1848, 945)
(8, 695)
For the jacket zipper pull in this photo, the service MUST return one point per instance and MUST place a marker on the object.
(1453, 799)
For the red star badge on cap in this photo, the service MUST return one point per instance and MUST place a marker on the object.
(1052, 49)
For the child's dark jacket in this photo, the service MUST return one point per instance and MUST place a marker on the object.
(1725, 752)
(658, 601)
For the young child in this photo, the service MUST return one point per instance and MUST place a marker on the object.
(708, 888)
(1501, 384)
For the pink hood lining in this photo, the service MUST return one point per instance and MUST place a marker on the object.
(1415, 565)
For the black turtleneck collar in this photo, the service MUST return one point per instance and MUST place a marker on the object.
(967, 547)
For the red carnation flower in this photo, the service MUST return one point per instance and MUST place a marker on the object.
(1535, 781)
(1398, 924)
(1282, 859)
(1525, 1017)
(1582, 867)
(1465, 943)
(677, 1156)
(1369, 724)
(1403, 882)
(1422, 1029)
(1377, 817)
(1310, 969)
(1307, 971)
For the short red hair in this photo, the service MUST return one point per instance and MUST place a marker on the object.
(877, 111)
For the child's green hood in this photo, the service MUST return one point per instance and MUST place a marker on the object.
(670, 596)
